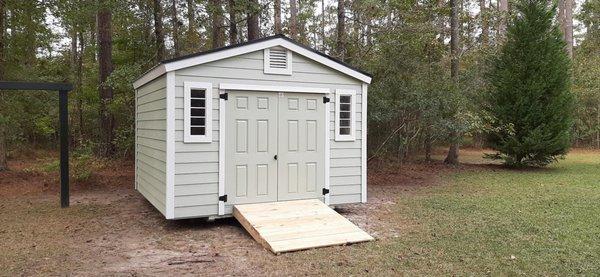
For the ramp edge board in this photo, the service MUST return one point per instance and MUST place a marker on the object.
(297, 225)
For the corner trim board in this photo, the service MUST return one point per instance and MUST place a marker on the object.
(221, 152)
(170, 145)
(327, 151)
(363, 195)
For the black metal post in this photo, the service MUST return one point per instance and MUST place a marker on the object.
(63, 108)
(63, 105)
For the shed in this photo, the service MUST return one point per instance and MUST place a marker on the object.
(264, 121)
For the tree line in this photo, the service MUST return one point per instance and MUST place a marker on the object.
(428, 59)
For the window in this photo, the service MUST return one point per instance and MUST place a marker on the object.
(278, 61)
(344, 115)
(197, 119)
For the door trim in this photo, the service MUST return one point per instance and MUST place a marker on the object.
(272, 88)
(222, 134)
(221, 152)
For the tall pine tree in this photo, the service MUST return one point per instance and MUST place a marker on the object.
(531, 102)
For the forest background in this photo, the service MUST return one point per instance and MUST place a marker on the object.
(428, 59)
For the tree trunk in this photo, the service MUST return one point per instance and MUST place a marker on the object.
(79, 84)
(568, 26)
(341, 30)
(323, 24)
(452, 157)
(294, 19)
(193, 38)
(598, 126)
(252, 20)
(175, 33)
(454, 40)
(2, 62)
(233, 32)
(3, 148)
(561, 15)
(158, 30)
(428, 145)
(441, 23)
(105, 69)
(277, 17)
(485, 28)
(503, 9)
(218, 32)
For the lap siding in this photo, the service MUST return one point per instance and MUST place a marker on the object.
(150, 142)
(196, 164)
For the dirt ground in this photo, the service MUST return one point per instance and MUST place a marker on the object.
(111, 229)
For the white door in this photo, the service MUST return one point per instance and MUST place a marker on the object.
(251, 146)
(275, 147)
(301, 173)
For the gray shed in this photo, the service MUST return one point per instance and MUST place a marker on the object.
(264, 121)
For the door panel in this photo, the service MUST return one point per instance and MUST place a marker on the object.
(301, 173)
(251, 128)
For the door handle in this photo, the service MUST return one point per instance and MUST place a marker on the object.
(275, 157)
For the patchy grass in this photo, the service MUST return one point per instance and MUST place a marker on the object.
(492, 220)
(429, 219)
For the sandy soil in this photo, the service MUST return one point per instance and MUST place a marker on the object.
(111, 229)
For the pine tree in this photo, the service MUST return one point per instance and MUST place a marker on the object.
(531, 102)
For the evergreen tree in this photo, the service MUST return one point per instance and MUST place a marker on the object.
(531, 102)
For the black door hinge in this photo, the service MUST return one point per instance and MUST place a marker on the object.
(326, 99)
(325, 191)
(223, 198)
(224, 96)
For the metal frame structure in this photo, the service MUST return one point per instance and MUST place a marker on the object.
(63, 101)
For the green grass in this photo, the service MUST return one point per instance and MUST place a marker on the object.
(502, 221)
(490, 221)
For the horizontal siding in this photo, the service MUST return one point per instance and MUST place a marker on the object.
(196, 189)
(196, 211)
(344, 199)
(150, 139)
(193, 200)
(196, 168)
(346, 164)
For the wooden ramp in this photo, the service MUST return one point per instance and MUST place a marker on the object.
(296, 225)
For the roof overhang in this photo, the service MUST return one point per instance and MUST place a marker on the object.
(227, 52)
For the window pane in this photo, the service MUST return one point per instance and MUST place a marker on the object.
(197, 131)
(196, 93)
(344, 107)
(344, 131)
(198, 112)
(345, 98)
(198, 121)
(197, 103)
(345, 123)
(344, 114)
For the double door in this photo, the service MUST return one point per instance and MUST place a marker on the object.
(274, 147)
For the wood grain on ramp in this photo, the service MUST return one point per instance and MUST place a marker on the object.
(296, 225)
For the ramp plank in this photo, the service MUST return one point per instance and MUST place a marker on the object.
(297, 225)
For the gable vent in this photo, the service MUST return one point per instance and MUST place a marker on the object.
(278, 58)
(278, 61)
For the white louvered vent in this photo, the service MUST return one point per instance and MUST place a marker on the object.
(278, 58)
(278, 61)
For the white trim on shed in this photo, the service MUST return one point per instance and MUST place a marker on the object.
(226, 52)
(184, 175)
